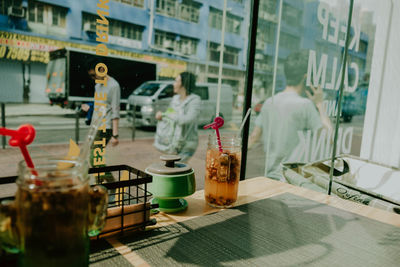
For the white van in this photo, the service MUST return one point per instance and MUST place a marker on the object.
(153, 96)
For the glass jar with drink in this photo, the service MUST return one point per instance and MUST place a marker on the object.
(222, 170)
(53, 214)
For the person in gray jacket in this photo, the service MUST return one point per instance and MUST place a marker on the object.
(185, 106)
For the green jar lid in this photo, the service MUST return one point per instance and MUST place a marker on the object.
(171, 166)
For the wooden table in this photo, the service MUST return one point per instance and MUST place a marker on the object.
(252, 190)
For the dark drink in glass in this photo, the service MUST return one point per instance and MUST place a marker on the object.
(55, 211)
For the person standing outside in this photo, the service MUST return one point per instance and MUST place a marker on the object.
(186, 109)
(112, 91)
(109, 93)
(285, 114)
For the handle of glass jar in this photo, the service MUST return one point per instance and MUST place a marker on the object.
(98, 200)
(9, 240)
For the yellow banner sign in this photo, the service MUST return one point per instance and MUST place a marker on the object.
(21, 47)
(23, 54)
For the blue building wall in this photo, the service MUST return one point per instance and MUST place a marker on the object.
(141, 16)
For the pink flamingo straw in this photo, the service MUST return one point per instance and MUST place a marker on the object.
(218, 123)
(21, 138)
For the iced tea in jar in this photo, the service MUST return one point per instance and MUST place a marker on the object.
(222, 171)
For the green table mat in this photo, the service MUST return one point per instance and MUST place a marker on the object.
(285, 230)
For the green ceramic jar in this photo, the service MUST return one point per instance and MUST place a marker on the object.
(172, 181)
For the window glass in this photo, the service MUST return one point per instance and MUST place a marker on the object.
(4, 4)
(168, 91)
(55, 16)
(137, 3)
(163, 38)
(147, 89)
(120, 33)
(291, 15)
(148, 47)
(288, 124)
(31, 12)
(39, 13)
(177, 43)
(230, 54)
(296, 84)
(185, 10)
(46, 14)
(369, 109)
(215, 21)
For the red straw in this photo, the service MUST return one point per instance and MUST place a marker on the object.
(21, 138)
(219, 140)
(218, 123)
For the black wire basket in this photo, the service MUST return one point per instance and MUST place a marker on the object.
(129, 199)
(128, 204)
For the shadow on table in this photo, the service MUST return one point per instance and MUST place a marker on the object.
(284, 232)
(102, 253)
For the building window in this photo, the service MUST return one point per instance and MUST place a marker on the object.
(231, 54)
(291, 15)
(170, 41)
(88, 22)
(268, 5)
(125, 30)
(268, 11)
(4, 4)
(47, 14)
(289, 41)
(137, 3)
(115, 27)
(185, 9)
(266, 34)
(233, 23)
(263, 62)
(35, 12)
(58, 17)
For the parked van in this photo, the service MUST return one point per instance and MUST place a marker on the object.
(153, 96)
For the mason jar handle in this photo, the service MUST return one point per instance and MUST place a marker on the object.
(170, 160)
(8, 229)
(98, 202)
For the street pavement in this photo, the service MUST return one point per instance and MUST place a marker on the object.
(55, 125)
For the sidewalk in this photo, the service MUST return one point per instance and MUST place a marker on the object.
(35, 109)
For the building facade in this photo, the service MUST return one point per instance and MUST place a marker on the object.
(178, 35)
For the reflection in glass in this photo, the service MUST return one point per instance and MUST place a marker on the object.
(318, 29)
